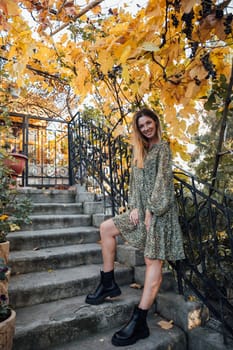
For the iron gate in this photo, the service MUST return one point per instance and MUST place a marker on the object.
(44, 140)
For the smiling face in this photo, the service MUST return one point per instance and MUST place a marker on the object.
(148, 128)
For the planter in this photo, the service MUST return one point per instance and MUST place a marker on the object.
(7, 331)
(4, 251)
(4, 287)
(17, 164)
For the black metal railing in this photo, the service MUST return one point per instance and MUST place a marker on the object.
(102, 163)
(206, 217)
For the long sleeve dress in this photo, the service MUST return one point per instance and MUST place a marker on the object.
(152, 188)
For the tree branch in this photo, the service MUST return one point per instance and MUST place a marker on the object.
(81, 13)
(40, 72)
(223, 127)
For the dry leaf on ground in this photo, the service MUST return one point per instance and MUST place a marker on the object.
(166, 324)
(136, 286)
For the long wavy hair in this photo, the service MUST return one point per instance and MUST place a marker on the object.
(140, 142)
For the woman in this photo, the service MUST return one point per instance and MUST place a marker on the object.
(151, 224)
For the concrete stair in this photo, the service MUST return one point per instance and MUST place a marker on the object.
(159, 339)
(78, 324)
(56, 261)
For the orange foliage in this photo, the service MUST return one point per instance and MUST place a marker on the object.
(166, 57)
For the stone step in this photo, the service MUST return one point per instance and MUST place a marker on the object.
(184, 313)
(159, 339)
(200, 338)
(28, 240)
(63, 253)
(93, 207)
(57, 208)
(43, 287)
(43, 222)
(56, 324)
(48, 195)
(70, 208)
(54, 258)
(97, 219)
(208, 338)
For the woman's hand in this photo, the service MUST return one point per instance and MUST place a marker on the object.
(148, 219)
(134, 217)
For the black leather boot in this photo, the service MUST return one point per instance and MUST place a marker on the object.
(106, 288)
(135, 329)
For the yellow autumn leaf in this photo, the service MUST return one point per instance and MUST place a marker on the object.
(106, 109)
(118, 29)
(181, 125)
(106, 64)
(192, 89)
(187, 5)
(170, 113)
(119, 131)
(125, 73)
(64, 38)
(193, 128)
(3, 217)
(188, 110)
(14, 227)
(10, 7)
(184, 155)
(18, 71)
(134, 87)
(144, 87)
(198, 71)
(83, 18)
(50, 88)
(176, 146)
(153, 9)
(96, 10)
(125, 54)
(147, 46)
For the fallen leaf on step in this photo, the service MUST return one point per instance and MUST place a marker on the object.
(192, 298)
(166, 324)
(136, 286)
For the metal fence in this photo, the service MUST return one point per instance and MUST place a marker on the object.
(100, 161)
(206, 217)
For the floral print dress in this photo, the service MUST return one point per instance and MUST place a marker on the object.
(152, 188)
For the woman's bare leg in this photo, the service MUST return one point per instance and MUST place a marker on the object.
(108, 233)
(136, 328)
(107, 286)
(153, 280)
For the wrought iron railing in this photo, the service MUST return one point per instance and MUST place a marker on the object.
(206, 215)
(100, 161)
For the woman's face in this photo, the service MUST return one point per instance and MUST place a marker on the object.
(148, 128)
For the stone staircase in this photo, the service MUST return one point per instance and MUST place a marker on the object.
(56, 260)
